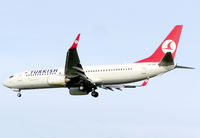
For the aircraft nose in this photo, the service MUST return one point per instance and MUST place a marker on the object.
(5, 83)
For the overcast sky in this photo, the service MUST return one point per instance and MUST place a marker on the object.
(36, 34)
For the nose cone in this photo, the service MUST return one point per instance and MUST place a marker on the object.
(5, 83)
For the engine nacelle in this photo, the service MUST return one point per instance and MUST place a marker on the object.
(77, 91)
(57, 80)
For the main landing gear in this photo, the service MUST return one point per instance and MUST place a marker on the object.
(92, 90)
(95, 94)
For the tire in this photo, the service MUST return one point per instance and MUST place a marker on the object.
(95, 94)
(19, 95)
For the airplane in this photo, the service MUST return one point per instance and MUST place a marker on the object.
(82, 80)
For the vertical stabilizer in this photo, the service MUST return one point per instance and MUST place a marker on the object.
(170, 44)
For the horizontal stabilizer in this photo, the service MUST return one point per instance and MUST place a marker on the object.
(183, 67)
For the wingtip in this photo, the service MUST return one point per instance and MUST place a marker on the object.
(145, 82)
(75, 44)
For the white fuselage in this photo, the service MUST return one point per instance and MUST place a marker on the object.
(100, 75)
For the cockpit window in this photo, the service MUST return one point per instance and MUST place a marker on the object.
(11, 76)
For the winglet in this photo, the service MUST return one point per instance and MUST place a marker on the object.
(145, 82)
(75, 44)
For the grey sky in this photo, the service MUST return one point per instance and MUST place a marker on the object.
(37, 34)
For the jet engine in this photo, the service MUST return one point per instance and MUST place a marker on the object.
(77, 91)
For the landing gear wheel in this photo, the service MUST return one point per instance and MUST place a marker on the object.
(19, 95)
(95, 94)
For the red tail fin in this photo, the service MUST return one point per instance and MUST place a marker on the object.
(170, 44)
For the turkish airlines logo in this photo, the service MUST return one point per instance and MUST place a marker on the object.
(169, 46)
(76, 41)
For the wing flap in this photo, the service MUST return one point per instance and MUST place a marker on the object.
(120, 87)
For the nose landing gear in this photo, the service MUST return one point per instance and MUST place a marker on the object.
(17, 90)
(19, 94)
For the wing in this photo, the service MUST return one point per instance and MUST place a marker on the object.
(73, 68)
(119, 87)
(72, 59)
